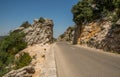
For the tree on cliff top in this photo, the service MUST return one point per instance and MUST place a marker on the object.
(41, 20)
(82, 11)
(88, 10)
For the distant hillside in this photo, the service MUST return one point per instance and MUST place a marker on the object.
(67, 35)
(1, 37)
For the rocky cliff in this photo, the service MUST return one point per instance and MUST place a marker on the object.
(101, 34)
(97, 24)
(38, 36)
(67, 35)
(41, 31)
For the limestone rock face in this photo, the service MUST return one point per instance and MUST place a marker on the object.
(38, 32)
(67, 35)
(100, 34)
(112, 40)
(95, 33)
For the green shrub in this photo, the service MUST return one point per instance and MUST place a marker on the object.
(88, 10)
(26, 24)
(3, 71)
(5, 60)
(13, 43)
(24, 60)
(41, 20)
(9, 47)
(82, 11)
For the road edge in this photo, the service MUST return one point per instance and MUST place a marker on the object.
(50, 62)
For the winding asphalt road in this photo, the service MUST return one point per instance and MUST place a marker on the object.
(74, 61)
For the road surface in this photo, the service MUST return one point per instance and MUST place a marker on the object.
(74, 61)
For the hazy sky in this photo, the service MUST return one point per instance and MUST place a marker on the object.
(14, 12)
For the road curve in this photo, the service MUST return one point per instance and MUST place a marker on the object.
(73, 61)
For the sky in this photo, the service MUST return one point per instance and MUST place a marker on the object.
(14, 12)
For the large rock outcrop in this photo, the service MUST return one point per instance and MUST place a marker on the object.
(67, 35)
(39, 32)
(100, 34)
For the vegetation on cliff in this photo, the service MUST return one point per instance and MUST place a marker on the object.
(67, 35)
(9, 47)
(25, 24)
(41, 20)
(24, 60)
(12, 55)
(89, 10)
